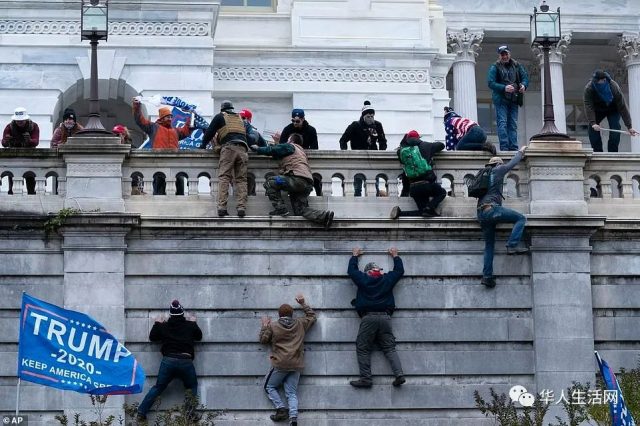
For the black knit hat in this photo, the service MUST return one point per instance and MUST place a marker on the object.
(176, 308)
(69, 113)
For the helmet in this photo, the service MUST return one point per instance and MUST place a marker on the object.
(118, 129)
(245, 113)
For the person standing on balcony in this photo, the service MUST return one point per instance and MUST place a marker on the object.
(508, 80)
(490, 213)
(464, 134)
(66, 129)
(295, 178)
(21, 132)
(603, 98)
(232, 166)
(416, 157)
(309, 135)
(253, 136)
(375, 304)
(364, 134)
(177, 336)
(162, 135)
(286, 337)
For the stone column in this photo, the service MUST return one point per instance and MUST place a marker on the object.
(556, 56)
(629, 49)
(466, 45)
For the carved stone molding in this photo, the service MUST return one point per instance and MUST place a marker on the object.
(557, 52)
(555, 173)
(93, 169)
(629, 48)
(150, 28)
(337, 75)
(465, 44)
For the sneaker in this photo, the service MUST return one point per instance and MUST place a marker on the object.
(328, 220)
(223, 212)
(241, 213)
(488, 146)
(489, 282)
(517, 250)
(395, 212)
(280, 211)
(361, 383)
(399, 381)
(293, 421)
(281, 415)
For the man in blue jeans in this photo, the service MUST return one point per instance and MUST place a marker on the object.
(177, 336)
(491, 212)
(286, 337)
(508, 80)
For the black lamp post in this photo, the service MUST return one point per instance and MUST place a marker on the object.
(545, 30)
(94, 26)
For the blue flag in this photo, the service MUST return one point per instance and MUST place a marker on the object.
(70, 350)
(619, 412)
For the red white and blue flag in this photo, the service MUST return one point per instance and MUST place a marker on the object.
(620, 414)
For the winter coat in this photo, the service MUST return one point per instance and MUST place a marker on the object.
(308, 133)
(375, 294)
(364, 137)
(177, 335)
(161, 136)
(61, 134)
(287, 339)
(593, 103)
(27, 136)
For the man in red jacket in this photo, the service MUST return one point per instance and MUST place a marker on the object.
(177, 336)
(286, 337)
(21, 133)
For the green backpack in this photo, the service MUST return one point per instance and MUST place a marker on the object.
(413, 163)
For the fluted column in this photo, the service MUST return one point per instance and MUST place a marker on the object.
(629, 49)
(556, 57)
(466, 45)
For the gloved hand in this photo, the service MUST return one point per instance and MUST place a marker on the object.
(253, 148)
(596, 127)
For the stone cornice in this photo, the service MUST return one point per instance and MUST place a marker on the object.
(116, 28)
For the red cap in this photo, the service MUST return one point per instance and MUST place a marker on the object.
(245, 113)
(413, 134)
(118, 129)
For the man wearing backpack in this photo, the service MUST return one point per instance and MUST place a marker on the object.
(491, 212)
(416, 158)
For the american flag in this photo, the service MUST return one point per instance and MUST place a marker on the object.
(455, 127)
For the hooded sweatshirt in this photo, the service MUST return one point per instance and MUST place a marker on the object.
(177, 335)
(287, 339)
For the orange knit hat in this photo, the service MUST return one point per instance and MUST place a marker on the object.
(163, 112)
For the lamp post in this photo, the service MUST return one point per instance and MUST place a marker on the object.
(94, 24)
(545, 30)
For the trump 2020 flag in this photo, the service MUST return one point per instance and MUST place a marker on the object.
(620, 414)
(70, 350)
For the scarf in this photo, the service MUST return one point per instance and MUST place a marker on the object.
(603, 89)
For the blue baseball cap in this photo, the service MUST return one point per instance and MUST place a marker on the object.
(504, 48)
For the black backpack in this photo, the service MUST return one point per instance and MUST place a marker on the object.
(478, 185)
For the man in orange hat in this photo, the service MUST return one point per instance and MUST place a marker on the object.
(162, 136)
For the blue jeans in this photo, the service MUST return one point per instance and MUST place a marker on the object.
(488, 220)
(613, 117)
(288, 378)
(171, 368)
(507, 124)
(473, 140)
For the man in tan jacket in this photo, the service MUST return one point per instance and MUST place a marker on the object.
(286, 337)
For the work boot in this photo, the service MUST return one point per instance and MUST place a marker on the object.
(517, 250)
(429, 212)
(293, 421)
(223, 212)
(399, 381)
(328, 220)
(488, 282)
(281, 415)
(395, 212)
(279, 211)
(361, 383)
(488, 146)
(241, 213)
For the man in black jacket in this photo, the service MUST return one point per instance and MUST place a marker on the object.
(177, 336)
(375, 304)
(364, 134)
(302, 127)
(424, 189)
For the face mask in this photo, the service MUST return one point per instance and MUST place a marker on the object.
(69, 126)
(375, 273)
(368, 119)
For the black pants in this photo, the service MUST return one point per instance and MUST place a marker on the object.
(375, 328)
(425, 194)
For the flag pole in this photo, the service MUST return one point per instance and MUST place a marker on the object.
(18, 399)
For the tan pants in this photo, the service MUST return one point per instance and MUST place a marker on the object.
(232, 168)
